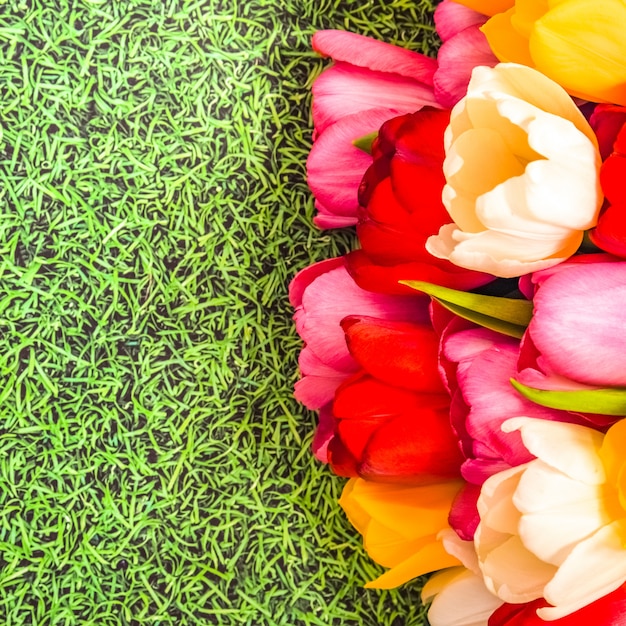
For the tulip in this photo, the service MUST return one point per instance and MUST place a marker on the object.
(401, 198)
(554, 528)
(576, 338)
(459, 598)
(478, 364)
(577, 43)
(392, 417)
(609, 610)
(521, 173)
(609, 123)
(400, 526)
(463, 48)
(458, 595)
(322, 295)
(369, 83)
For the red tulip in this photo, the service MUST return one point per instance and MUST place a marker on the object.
(609, 124)
(322, 295)
(401, 199)
(392, 417)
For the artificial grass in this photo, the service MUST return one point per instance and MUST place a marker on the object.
(154, 468)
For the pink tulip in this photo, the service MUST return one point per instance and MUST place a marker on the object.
(369, 83)
(464, 47)
(322, 296)
(477, 365)
(576, 338)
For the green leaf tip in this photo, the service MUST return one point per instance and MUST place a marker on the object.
(509, 316)
(603, 401)
(365, 143)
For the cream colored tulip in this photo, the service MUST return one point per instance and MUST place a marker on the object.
(458, 595)
(555, 527)
(521, 174)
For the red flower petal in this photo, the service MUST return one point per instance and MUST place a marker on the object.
(610, 233)
(464, 516)
(397, 353)
(606, 121)
(382, 279)
(416, 446)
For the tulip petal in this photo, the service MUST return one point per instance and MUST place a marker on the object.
(382, 279)
(568, 448)
(588, 62)
(462, 550)
(430, 558)
(451, 18)
(323, 434)
(346, 89)
(461, 599)
(457, 58)
(504, 39)
(496, 252)
(387, 547)
(325, 219)
(558, 512)
(514, 574)
(416, 447)
(514, 81)
(375, 55)
(306, 276)
(336, 187)
(464, 516)
(319, 382)
(594, 568)
(567, 306)
(398, 353)
(320, 327)
(607, 120)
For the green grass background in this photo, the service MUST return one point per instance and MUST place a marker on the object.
(154, 467)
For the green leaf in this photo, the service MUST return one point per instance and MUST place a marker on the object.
(509, 316)
(365, 143)
(605, 401)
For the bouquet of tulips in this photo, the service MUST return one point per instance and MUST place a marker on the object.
(468, 360)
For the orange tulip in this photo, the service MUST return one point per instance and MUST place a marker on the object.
(401, 526)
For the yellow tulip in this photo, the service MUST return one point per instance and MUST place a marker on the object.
(579, 44)
(400, 525)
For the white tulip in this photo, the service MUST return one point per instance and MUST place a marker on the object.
(555, 527)
(521, 174)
